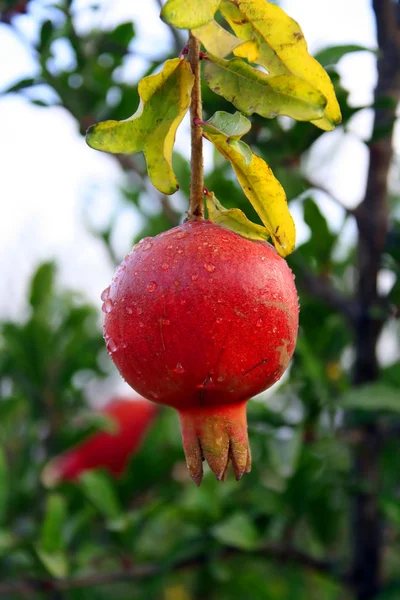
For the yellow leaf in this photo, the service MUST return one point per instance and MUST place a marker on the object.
(264, 192)
(234, 219)
(276, 42)
(216, 39)
(164, 100)
(189, 14)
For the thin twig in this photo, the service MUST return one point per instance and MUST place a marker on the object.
(196, 207)
(31, 586)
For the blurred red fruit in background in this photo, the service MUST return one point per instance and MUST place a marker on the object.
(107, 450)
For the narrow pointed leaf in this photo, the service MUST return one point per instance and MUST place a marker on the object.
(216, 39)
(234, 219)
(253, 91)
(164, 100)
(264, 192)
(276, 42)
(189, 14)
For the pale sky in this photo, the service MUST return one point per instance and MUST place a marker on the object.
(50, 178)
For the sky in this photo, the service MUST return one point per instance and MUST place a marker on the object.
(51, 180)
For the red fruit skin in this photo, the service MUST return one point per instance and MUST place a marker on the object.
(200, 317)
(110, 451)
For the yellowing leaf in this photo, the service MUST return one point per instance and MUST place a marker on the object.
(253, 91)
(189, 14)
(277, 43)
(216, 39)
(164, 100)
(262, 189)
(234, 219)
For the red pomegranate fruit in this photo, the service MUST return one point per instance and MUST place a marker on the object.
(111, 451)
(202, 319)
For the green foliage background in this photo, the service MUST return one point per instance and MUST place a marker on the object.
(283, 532)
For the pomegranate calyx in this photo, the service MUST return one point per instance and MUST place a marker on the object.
(218, 435)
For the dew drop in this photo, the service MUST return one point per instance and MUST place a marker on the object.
(179, 369)
(219, 320)
(141, 324)
(139, 311)
(209, 267)
(105, 294)
(111, 345)
(165, 266)
(263, 258)
(195, 276)
(107, 306)
(179, 251)
(259, 323)
(165, 321)
(129, 310)
(135, 273)
(220, 379)
(147, 246)
(176, 283)
(182, 234)
(152, 286)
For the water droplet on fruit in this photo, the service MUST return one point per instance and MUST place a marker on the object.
(143, 240)
(107, 306)
(141, 324)
(195, 276)
(219, 320)
(182, 234)
(179, 251)
(179, 369)
(165, 321)
(111, 345)
(177, 283)
(129, 310)
(139, 311)
(147, 246)
(209, 267)
(165, 266)
(263, 258)
(259, 323)
(220, 379)
(135, 273)
(105, 293)
(152, 286)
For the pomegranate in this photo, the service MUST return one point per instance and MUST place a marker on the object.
(111, 451)
(202, 319)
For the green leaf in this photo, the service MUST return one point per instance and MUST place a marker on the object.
(237, 531)
(253, 91)
(3, 485)
(330, 56)
(234, 219)
(42, 284)
(232, 126)
(263, 190)
(276, 42)
(164, 100)
(51, 546)
(189, 14)
(98, 489)
(373, 397)
(216, 39)
(51, 538)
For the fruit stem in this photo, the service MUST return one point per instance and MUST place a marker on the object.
(196, 206)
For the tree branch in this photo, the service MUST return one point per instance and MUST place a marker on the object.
(30, 586)
(372, 222)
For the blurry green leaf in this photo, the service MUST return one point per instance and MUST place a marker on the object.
(331, 56)
(373, 397)
(276, 42)
(98, 489)
(122, 34)
(189, 14)
(216, 39)
(3, 485)
(164, 100)
(322, 239)
(234, 219)
(42, 284)
(238, 531)
(264, 192)
(253, 91)
(46, 35)
(20, 85)
(51, 537)
(56, 563)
